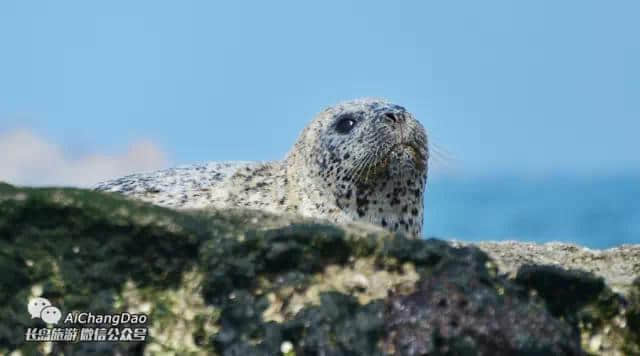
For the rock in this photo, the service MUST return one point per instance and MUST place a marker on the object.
(462, 308)
(248, 283)
(618, 265)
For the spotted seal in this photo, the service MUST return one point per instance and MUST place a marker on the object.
(360, 160)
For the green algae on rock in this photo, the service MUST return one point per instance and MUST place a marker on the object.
(248, 283)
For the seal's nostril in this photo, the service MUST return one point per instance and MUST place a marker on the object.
(396, 118)
(391, 117)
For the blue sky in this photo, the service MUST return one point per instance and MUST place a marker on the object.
(505, 88)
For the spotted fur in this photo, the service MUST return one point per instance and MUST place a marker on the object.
(361, 160)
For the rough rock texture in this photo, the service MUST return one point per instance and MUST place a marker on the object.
(249, 283)
(618, 265)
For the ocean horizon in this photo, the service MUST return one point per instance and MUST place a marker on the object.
(600, 212)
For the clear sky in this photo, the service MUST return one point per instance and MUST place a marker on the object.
(504, 87)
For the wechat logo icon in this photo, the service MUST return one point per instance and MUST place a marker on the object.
(42, 308)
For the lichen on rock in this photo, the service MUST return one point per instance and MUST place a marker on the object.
(244, 282)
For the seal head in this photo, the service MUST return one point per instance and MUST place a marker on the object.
(365, 159)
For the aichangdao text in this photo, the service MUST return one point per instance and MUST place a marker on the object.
(111, 319)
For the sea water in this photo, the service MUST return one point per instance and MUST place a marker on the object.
(594, 212)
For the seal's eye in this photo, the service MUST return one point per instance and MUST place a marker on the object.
(345, 124)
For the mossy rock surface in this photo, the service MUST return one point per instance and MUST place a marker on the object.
(249, 283)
